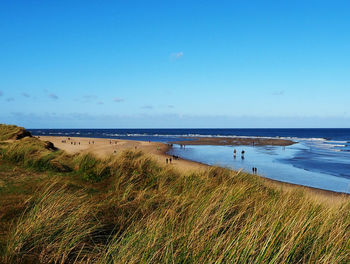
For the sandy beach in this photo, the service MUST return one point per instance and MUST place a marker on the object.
(103, 147)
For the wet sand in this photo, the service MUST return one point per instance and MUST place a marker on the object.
(105, 147)
(236, 141)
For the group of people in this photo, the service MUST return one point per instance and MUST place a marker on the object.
(235, 153)
(175, 157)
(254, 169)
(169, 160)
(71, 142)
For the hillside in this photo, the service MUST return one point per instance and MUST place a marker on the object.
(8, 132)
(77, 208)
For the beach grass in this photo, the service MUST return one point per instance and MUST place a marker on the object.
(130, 209)
(12, 132)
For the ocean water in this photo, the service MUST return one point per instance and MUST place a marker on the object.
(320, 159)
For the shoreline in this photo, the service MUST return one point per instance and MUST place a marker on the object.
(104, 147)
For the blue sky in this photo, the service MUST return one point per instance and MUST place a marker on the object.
(144, 64)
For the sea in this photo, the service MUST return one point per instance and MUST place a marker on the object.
(320, 158)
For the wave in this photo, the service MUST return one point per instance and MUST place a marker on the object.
(319, 142)
(178, 135)
(205, 135)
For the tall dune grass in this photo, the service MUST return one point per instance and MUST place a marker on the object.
(34, 153)
(12, 132)
(56, 228)
(143, 212)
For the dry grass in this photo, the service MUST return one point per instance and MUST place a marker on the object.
(142, 212)
(34, 153)
(12, 132)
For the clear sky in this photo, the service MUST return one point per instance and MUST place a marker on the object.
(144, 64)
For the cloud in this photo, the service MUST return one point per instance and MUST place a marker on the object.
(149, 107)
(278, 93)
(1, 93)
(118, 100)
(10, 99)
(176, 55)
(25, 95)
(53, 96)
(100, 103)
(170, 106)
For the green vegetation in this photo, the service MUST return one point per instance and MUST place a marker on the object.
(129, 208)
(34, 153)
(12, 132)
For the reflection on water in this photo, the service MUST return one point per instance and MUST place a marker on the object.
(299, 164)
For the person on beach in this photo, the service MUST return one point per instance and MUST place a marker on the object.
(170, 160)
(234, 153)
(166, 160)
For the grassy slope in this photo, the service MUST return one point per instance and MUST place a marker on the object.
(130, 209)
(12, 132)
